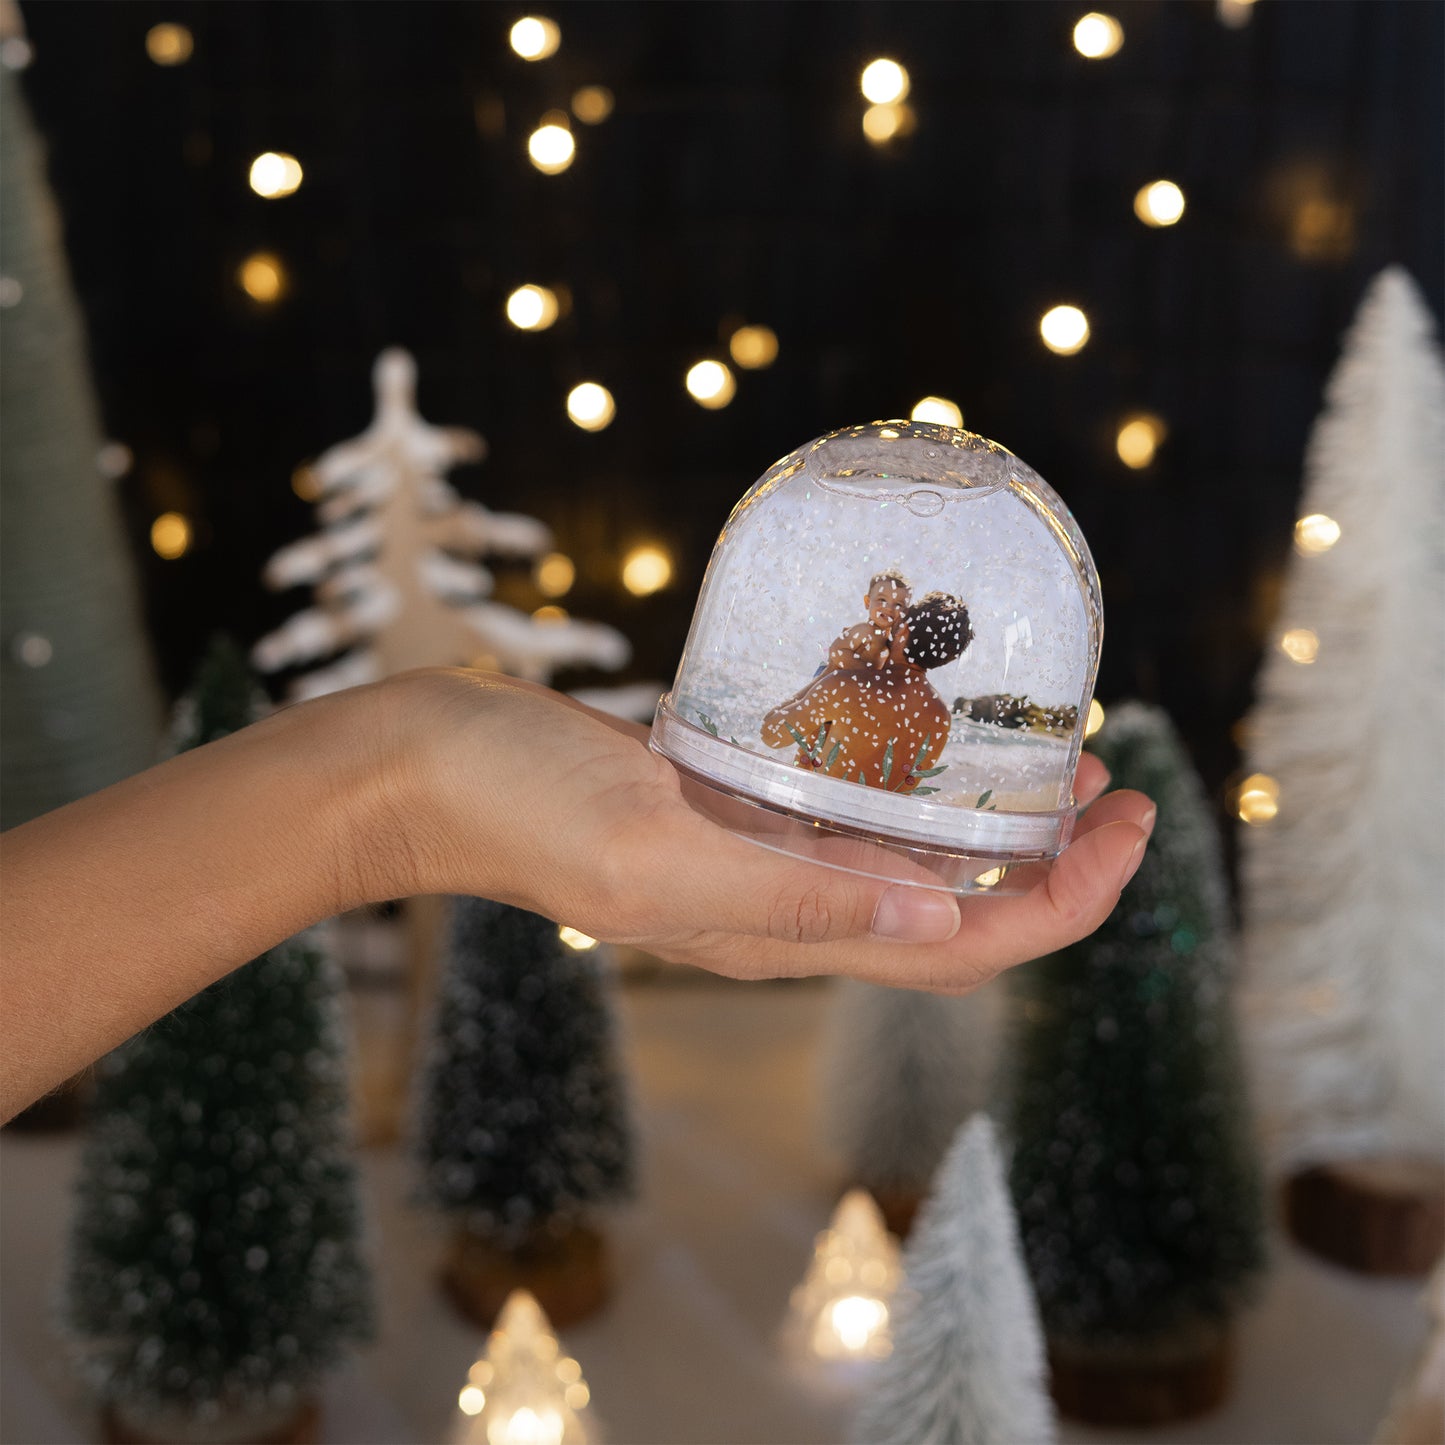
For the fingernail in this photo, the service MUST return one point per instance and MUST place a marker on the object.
(1147, 821)
(1135, 859)
(914, 915)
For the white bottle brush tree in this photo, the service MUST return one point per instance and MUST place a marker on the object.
(1343, 899)
(395, 563)
(968, 1365)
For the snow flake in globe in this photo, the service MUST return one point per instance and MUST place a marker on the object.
(891, 662)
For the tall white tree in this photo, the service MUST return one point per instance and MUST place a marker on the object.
(901, 1070)
(395, 563)
(968, 1365)
(1345, 885)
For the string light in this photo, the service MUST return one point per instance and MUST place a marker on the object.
(1301, 645)
(275, 174)
(262, 277)
(1095, 720)
(882, 122)
(937, 409)
(534, 37)
(551, 148)
(1257, 800)
(711, 384)
(1065, 329)
(532, 308)
(1138, 440)
(579, 942)
(1160, 203)
(590, 406)
(1315, 533)
(169, 44)
(592, 104)
(884, 82)
(646, 570)
(753, 347)
(1096, 36)
(305, 483)
(171, 536)
(554, 574)
(471, 1400)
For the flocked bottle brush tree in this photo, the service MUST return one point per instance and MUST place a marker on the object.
(1344, 852)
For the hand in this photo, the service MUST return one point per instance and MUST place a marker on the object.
(507, 790)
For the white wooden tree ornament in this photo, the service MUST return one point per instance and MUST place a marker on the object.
(395, 565)
(1344, 907)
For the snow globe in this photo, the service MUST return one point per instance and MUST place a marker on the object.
(891, 662)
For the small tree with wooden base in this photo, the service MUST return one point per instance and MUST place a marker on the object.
(524, 1123)
(215, 1267)
(1133, 1174)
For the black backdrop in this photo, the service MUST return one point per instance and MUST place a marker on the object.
(733, 180)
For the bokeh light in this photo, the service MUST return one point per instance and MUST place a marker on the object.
(171, 536)
(169, 44)
(1065, 329)
(1300, 644)
(1138, 439)
(592, 104)
(1315, 533)
(554, 574)
(882, 122)
(275, 174)
(550, 615)
(753, 347)
(305, 483)
(1095, 719)
(937, 409)
(1098, 36)
(535, 37)
(1257, 799)
(590, 405)
(262, 277)
(711, 384)
(576, 940)
(1160, 203)
(884, 82)
(532, 308)
(471, 1401)
(646, 570)
(551, 148)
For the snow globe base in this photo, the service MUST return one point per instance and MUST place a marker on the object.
(569, 1273)
(787, 811)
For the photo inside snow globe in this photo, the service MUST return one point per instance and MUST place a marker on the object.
(896, 642)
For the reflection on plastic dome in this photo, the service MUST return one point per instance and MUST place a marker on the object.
(895, 646)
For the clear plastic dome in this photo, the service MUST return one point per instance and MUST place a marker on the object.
(891, 662)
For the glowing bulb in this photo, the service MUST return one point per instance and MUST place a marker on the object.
(275, 174)
(471, 1400)
(856, 1319)
(171, 535)
(646, 570)
(169, 44)
(754, 347)
(1065, 329)
(527, 1427)
(592, 104)
(1315, 533)
(1095, 720)
(882, 122)
(551, 148)
(262, 277)
(554, 574)
(1096, 36)
(534, 37)
(937, 409)
(579, 942)
(1138, 440)
(711, 384)
(591, 406)
(1258, 799)
(1160, 203)
(991, 879)
(532, 308)
(884, 82)
(1300, 645)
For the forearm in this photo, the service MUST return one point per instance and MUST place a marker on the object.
(121, 905)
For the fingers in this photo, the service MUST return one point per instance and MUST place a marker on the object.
(1090, 779)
